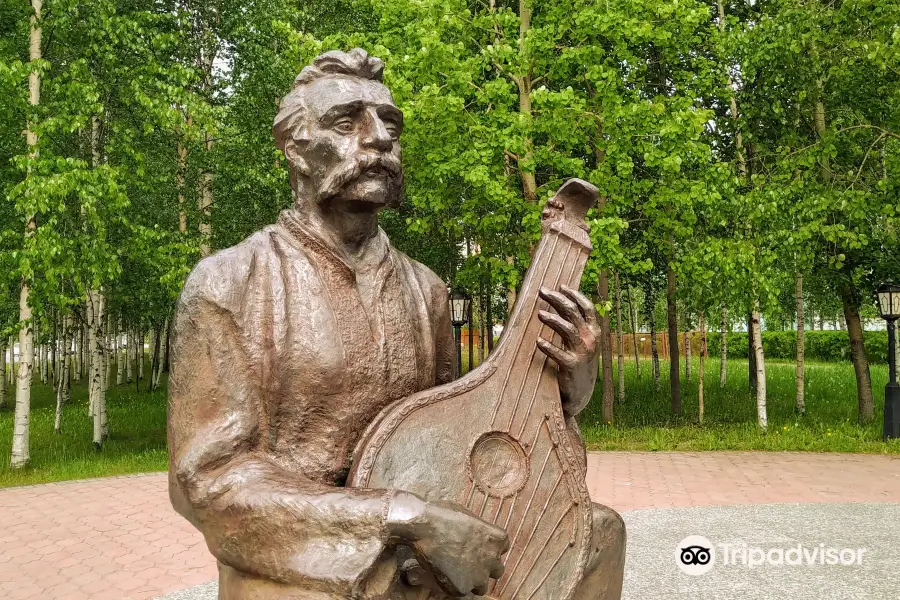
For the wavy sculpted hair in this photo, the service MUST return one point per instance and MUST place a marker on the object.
(356, 63)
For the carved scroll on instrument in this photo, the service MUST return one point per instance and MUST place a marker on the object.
(496, 440)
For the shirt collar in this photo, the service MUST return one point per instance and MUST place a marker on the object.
(376, 251)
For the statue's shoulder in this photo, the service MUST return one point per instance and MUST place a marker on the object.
(222, 278)
(426, 278)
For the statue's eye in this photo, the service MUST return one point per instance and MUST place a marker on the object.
(392, 130)
(343, 126)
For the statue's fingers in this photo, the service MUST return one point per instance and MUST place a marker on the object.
(563, 358)
(450, 587)
(566, 330)
(497, 569)
(587, 308)
(565, 307)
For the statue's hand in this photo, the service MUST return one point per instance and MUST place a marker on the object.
(460, 550)
(577, 324)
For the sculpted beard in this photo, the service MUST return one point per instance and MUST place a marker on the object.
(384, 165)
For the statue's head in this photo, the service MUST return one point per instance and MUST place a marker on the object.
(339, 130)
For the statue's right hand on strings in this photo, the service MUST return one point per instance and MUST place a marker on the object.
(460, 550)
(577, 323)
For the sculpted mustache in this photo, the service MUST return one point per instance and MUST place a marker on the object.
(355, 169)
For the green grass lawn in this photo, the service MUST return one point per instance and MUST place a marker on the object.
(642, 422)
(137, 442)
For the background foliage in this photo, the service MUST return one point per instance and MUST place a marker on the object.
(742, 147)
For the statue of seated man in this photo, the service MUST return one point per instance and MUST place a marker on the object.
(287, 345)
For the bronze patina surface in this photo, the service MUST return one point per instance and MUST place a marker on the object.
(289, 345)
(499, 441)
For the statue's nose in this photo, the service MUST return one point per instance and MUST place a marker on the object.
(376, 136)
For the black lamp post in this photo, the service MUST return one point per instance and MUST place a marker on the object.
(889, 305)
(459, 315)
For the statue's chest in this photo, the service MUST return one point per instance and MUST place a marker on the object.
(348, 347)
(344, 335)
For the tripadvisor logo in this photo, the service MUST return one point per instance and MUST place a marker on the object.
(696, 555)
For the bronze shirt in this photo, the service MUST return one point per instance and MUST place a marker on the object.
(282, 355)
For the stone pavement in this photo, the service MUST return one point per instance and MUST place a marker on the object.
(651, 572)
(101, 539)
(867, 531)
(118, 538)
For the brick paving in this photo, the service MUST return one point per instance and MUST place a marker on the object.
(634, 480)
(102, 539)
(118, 538)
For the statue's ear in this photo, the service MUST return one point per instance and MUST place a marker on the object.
(295, 158)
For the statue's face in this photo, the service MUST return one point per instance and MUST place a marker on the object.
(349, 149)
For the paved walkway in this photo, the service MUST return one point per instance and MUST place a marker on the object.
(119, 539)
(865, 533)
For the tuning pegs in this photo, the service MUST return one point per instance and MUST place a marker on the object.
(572, 201)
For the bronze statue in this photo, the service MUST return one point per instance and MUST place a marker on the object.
(289, 345)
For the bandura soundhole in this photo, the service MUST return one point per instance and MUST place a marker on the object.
(496, 441)
(498, 465)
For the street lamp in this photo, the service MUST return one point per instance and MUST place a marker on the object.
(459, 315)
(889, 305)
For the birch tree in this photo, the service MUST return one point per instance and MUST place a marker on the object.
(800, 405)
(620, 340)
(20, 456)
(723, 347)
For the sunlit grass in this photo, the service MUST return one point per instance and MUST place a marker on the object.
(137, 442)
(644, 421)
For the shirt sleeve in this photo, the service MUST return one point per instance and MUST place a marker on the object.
(256, 516)
(445, 343)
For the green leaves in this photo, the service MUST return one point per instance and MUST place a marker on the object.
(633, 95)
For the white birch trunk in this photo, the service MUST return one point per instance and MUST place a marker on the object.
(801, 347)
(107, 350)
(42, 358)
(154, 341)
(205, 200)
(762, 420)
(654, 352)
(179, 183)
(687, 355)
(45, 368)
(724, 347)
(637, 358)
(95, 349)
(4, 403)
(70, 350)
(140, 354)
(11, 374)
(159, 349)
(511, 290)
(77, 343)
(89, 316)
(164, 340)
(85, 354)
(104, 361)
(120, 360)
(113, 350)
(20, 455)
(62, 389)
(129, 353)
(621, 341)
(702, 365)
(53, 367)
